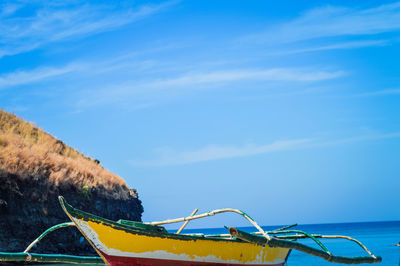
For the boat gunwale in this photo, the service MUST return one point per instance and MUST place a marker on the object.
(79, 214)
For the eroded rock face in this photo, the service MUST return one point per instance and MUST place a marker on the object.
(35, 168)
(29, 206)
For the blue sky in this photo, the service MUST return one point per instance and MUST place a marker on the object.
(289, 110)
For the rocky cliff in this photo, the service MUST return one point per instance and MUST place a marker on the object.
(34, 169)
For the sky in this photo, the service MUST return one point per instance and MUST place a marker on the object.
(288, 110)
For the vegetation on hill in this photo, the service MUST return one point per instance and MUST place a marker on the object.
(29, 152)
(34, 169)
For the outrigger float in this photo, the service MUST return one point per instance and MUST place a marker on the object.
(134, 243)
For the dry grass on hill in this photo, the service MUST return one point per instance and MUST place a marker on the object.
(29, 152)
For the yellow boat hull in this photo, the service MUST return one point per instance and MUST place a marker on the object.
(119, 244)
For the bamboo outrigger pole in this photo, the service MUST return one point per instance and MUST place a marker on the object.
(58, 226)
(326, 255)
(48, 258)
(186, 222)
(328, 237)
(212, 213)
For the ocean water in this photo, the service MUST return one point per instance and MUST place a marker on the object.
(379, 237)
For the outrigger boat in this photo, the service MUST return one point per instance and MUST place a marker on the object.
(134, 243)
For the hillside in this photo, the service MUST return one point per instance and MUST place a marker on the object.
(35, 168)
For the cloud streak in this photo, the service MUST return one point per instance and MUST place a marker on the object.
(214, 152)
(42, 73)
(333, 21)
(169, 157)
(73, 70)
(338, 46)
(149, 90)
(139, 85)
(47, 24)
(274, 74)
(355, 139)
(378, 93)
(8, 9)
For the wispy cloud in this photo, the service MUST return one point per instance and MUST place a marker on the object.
(89, 69)
(214, 152)
(7, 9)
(155, 90)
(279, 74)
(138, 78)
(337, 46)
(333, 21)
(378, 93)
(169, 157)
(35, 75)
(49, 24)
(355, 139)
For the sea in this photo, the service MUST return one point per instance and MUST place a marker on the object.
(379, 237)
